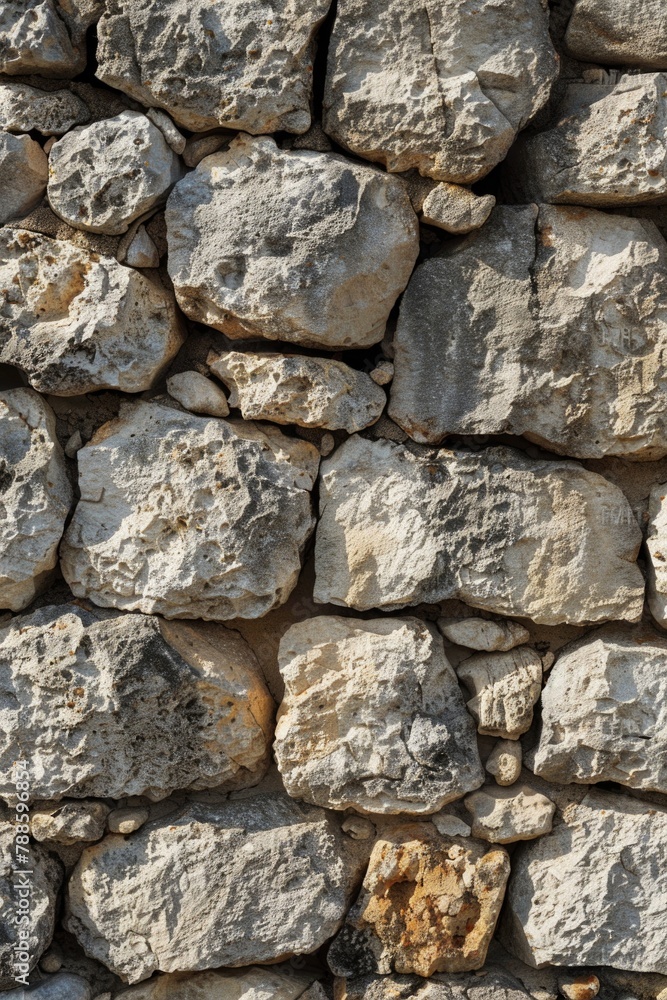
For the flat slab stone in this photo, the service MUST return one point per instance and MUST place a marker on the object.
(440, 86)
(373, 717)
(309, 247)
(229, 64)
(189, 516)
(402, 525)
(515, 331)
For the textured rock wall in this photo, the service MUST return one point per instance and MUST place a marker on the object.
(333, 499)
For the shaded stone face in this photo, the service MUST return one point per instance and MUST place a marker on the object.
(428, 904)
(24, 108)
(504, 688)
(45, 37)
(24, 170)
(618, 32)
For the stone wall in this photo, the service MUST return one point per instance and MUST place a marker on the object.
(333, 479)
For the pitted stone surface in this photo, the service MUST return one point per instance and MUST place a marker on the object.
(35, 496)
(504, 688)
(505, 815)
(483, 634)
(290, 245)
(188, 516)
(24, 108)
(283, 875)
(104, 176)
(46, 37)
(69, 822)
(373, 717)
(24, 171)
(115, 705)
(402, 525)
(76, 321)
(254, 983)
(552, 325)
(443, 87)
(240, 64)
(604, 711)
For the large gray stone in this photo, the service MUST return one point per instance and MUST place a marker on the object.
(246, 881)
(593, 891)
(189, 516)
(35, 496)
(622, 32)
(604, 711)
(400, 525)
(440, 86)
(76, 321)
(254, 983)
(46, 37)
(373, 717)
(115, 705)
(551, 325)
(291, 245)
(51, 112)
(24, 171)
(240, 63)
(104, 176)
(494, 984)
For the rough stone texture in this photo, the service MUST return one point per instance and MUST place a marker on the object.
(456, 209)
(403, 525)
(237, 64)
(549, 325)
(189, 517)
(309, 392)
(291, 245)
(104, 176)
(656, 544)
(283, 875)
(504, 815)
(69, 822)
(504, 689)
(44, 880)
(494, 984)
(35, 496)
(76, 321)
(24, 108)
(63, 986)
(198, 394)
(113, 705)
(254, 983)
(46, 37)
(504, 762)
(128, 819)
(604, 711)
(613, 32)
(373, 717)
(483, 634)
(442, 87)
(606, 145)
(428, 904)
(592, 892)
(24, 171)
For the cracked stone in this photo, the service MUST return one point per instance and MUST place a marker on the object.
(505, 815)
(24, 170)
(504, 688)
(24, 108)
(373, 717)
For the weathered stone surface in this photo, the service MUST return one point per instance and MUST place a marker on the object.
(549, 325)
(235, 64)
(254, 983)
(283, 875)
(504, 762)
(373, 717)
(310, 392)
(176, 139)
(456, 209)
(127, 819)
(493, 984)
(604, 711)
(402, 525)
(581, 987)
(198, 394)
(63, 986)
(24, 108)
(309, 247)
(504, 689)
(484, 634)
(656, 543)
(114, 705)
(449, 825)
(428, 904)
(606, 146)
(43, 884)
(46, 37)
(35, 496)
(189, 517)
(612, 32)
(76, 321)
(24, 171)
(68, 822)
(437, 86)
(140, 251)
(592, 892)
(104, 176)
(504, 815)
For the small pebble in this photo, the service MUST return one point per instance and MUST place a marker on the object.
(52, 960)
(327, 444)
(383, 373)
(197, 147)
(198, 394)
(450, 826)
(358, 828)
(504, 762)
(175, 139)
(583, 987)
(127, 820)
(74, 443)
